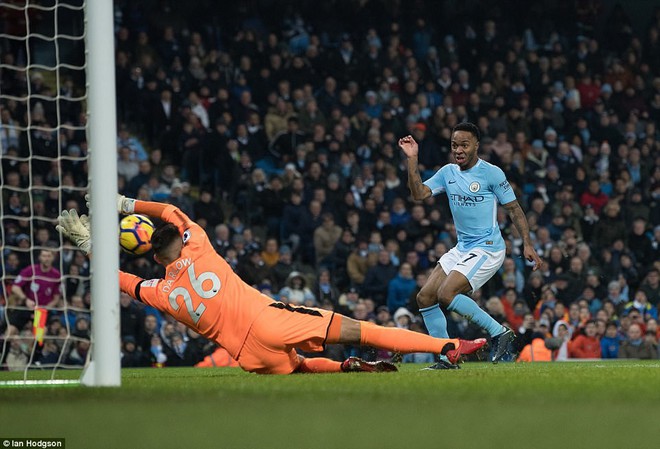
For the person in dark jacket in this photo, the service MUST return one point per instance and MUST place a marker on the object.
(636, 346)
(378, 277)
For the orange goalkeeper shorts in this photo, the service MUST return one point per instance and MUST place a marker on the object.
(270, 347)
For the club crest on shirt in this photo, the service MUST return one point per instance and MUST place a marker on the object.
(474, 187)
(149, 283)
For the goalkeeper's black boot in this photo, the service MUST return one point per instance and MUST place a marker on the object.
(356, 365)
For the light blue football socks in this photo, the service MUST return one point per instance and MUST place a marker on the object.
(435, 321)
(465, 306)
(436, 324)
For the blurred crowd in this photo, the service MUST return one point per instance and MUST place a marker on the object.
(274, 125)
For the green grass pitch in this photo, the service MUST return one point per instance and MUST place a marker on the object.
(545, 405)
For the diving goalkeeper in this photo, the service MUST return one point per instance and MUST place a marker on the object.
(202, 291)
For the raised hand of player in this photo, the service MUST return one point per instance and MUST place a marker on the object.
(530, 254)
(409, 146)
(76, 229)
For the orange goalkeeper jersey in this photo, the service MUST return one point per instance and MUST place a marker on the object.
(199, 289)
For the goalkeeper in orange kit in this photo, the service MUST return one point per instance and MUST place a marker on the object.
(202, 291)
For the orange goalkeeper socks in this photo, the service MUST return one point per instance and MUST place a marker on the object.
(401, 340)
(319, 365)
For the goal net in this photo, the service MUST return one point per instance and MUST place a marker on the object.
(46, 307)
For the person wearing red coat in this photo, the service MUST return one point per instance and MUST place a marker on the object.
(585, 345)
(594, 197)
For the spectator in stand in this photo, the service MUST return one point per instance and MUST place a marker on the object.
(81, 328)
(312, 219)
(338, 259)
(516, 311)
(585, 344)
(131, 353)
(126, 139)
(283, 145)
(610, 342)
(532, 291)
(636, 207)
(296, 291)
(594, 197)
(536, 350)
(208, 209)
(377, 278)
(399, 215)
(640, 244)
(270, 254)
(324, 288)
(655, 236)
(419, 224)
(180, 198)
(358, 263)
(126, 165)
(50, 353)
(641, 303)
(285, 266)
(132, 318)
(400, 287)
(291, 228)
(563, 333)
(651, 286)
(145, 171)
(78, 354)
(150, 328)
(271, 200)
(509, 276)
(347, 301)
(221, 240)
(617, 292)
(251, 267)
(610, 227)
(180, 352)
(325, 237)
(652, 331)
(635, 346)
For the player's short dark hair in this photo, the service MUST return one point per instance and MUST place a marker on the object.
(469, 127)
(163, 236)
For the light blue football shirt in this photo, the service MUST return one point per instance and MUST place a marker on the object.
(473, 195)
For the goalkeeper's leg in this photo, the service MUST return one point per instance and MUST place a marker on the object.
(401, 340)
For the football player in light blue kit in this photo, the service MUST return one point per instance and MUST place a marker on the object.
(474, 187)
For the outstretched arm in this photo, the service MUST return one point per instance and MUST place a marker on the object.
(520, 222)
(417, 188)
(130, 284)
(166, 212)
(77, 229)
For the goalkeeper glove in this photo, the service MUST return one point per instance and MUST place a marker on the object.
(125, 206)
(76, 229)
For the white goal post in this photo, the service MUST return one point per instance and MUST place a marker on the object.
(35, 42)
(105, 366)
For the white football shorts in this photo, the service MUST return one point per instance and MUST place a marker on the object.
(477, 264)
